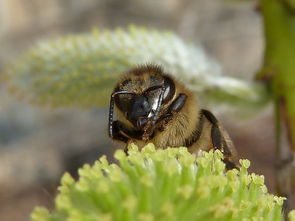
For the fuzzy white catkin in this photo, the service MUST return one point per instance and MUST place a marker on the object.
(81, 70)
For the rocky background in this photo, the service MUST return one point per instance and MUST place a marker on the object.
(38, 144)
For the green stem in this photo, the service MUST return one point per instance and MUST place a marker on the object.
(279, 69)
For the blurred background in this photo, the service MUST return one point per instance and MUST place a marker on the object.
(37, 144)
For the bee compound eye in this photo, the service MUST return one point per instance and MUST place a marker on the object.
(169, 90)
(124, 101)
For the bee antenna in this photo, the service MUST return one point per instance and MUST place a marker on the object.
(111, 110)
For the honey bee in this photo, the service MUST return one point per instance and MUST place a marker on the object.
(152, 106)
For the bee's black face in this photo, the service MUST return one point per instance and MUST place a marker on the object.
(139, 111)
(140, 108)
(141, 103)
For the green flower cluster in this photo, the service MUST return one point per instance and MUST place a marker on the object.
(81, 70)
(169, 184)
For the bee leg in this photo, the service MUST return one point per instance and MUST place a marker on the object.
(219, 143)
(125, 132)
(218, 140)
(117, 132)
(121, 133)
(229, 165)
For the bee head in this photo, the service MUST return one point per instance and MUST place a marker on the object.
(141, 94)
